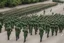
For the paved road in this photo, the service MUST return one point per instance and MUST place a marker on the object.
(56, 9)
(32, 39)
(22, 6)
(35, 38)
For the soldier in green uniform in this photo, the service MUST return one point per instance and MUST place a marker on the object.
(47, 29)
(8, 29)
(52, 28)
(41, 31)
(30, 28)
(56, 30)
(17, 30)
(36, 28)
(25, 30)
(44, 11)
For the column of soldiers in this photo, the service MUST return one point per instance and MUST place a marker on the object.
(38, 23)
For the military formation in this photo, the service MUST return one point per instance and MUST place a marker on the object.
(43, 24)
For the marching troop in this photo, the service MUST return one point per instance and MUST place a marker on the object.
(43, 24)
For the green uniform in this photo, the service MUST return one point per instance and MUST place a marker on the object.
(0, 27)
(17, 30)
(8, 29)
(60, 28)
(47, 29)
(54, 28)
(36, 28)
(41, 32)
(25, 30)
(30, 28)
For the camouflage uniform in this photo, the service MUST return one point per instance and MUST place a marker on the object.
(54, 28)
(36, 28)
(47, 29)
(17, 30)
(30, 28)
(25, 30)
(8, 29)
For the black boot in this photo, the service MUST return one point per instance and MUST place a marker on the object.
(40, 40)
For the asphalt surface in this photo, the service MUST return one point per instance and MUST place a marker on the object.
(22, 6)
(35, 38)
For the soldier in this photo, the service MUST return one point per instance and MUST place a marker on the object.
(8, 29)
(31, 28)
(56, 30)
(50, 10)
(25, 30)
(36, 28)
(41, 31)
(0, 27)
(47, 29)
(53, 28)
(44, 11)
(17, 30)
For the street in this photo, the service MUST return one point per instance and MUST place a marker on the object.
(36, 38)
(32, 39)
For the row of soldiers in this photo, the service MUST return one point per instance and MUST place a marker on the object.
(41, 27)
(41, 23)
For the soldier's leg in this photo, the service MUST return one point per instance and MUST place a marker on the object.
(31, 31)
(41, 38)
(19, 35)
(16, 37)
(0, 29)
(25, 38)
(47, 34)
(60, 30)
(35, 31)
(56, 33)
(52, 32)
(8, 34)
